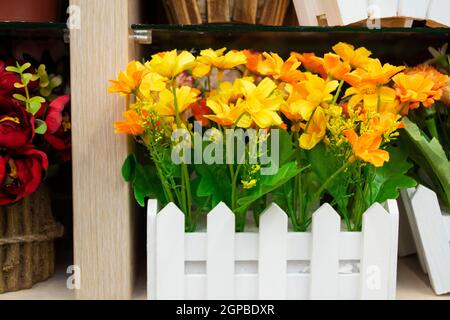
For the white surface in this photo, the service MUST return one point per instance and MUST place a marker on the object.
(438, 11)
(431, 236)
(383, 8)
(416, 9)
(268, 264)
(343, 12)
(220, 262)
(326, 226)
(273, 254)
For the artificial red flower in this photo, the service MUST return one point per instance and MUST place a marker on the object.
(200, 110)
(7, 80)
(16, 124)
(58, 133)
(21, 173)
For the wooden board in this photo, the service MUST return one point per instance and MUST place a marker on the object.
(218, 11)
(245, 11)
(103, 218)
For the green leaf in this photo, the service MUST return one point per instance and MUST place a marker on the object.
(144, 180)
(267, 184)
(24, 67)
(433, 154)
(19, 97)
(41, 126)
(34, 107)
(287, 148)
(13, 69)
(37, 99)
(214, 183)
(391, 178)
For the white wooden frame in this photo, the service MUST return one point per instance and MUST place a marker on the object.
(431, 232)
(222, 264)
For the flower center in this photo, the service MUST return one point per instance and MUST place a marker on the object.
(11, 119)
(12, 169)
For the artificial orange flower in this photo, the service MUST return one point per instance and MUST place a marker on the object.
(367, 148)
(374, 98)
(385, 123)
(414, 89)
(129, 80)
(440, 80)
(374, 73)
(315, 130)
(274, 66)
(335, 67)
(200, 110)
(311, 62)
(131, 125)
(253, 60)
(356, 58)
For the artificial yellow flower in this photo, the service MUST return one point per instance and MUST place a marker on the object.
(374, 73)
(315, 130)
(358, 58)
(274, 66)
(311, 62)
(209, 58)
(131, 125)
(170, 64)
(367, 148)
(129, 80)
(261, 104)
(385, 123)
(185, 96)
(297, 107)
(318, 91)
(414, 89)
(374, 98)
(249, 184)
(227, 114)
(152, 82)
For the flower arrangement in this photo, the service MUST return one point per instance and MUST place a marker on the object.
(425, 89)
(34, 127)
(330, 125)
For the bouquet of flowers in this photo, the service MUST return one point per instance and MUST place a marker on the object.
(34, 126)
(248, 128)
(427, 125)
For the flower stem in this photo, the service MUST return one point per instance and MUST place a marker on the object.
(338, 92)
(328, 181)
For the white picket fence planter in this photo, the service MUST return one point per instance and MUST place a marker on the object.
(344, 12)
(430, 228)
(274, 263)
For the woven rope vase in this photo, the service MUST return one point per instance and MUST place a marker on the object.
(27, 234)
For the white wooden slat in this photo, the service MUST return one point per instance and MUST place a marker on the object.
(170, 254)
(325, 254)
(416, 9)
(246, 287)
(220, 262)
(406, 196)
(195, 287)
(298, 247)
(406, 244)
(377, 248)
(392, 209)
(152, 210)
(438, 12)
(308, 11)
(434, 238)
(273, 254)
(343, 12)
(383, 8)
(446, 218)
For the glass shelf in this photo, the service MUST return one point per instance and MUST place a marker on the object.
(394, 45)
(36, 30)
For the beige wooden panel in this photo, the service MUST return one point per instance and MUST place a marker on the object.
(103, 219)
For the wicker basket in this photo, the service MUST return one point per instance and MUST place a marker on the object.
(27, 234)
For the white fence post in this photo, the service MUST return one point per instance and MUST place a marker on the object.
(273, 254)
(221, 258)
(376, 254)
(344, 12)
(416, 9)
(152, 211)
(438, 12)
(170, 254)
(325, 253)
(384, 8)
(308, 12)
(433, 237)
(394, 216)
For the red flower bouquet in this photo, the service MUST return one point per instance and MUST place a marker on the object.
(34, 127)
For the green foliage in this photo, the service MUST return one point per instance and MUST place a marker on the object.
(143, 179)
(429, 155)
(215, 183)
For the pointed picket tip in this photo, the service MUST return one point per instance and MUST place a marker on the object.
(274, 211)
(171, 210)
(326, 210)
(221, 210)
(392, 207)
(425, 192)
